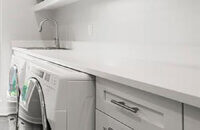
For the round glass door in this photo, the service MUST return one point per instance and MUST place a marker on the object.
(13, 81)
(32, 101)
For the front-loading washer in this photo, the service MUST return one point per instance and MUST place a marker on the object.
(57, 97)
(16, 79)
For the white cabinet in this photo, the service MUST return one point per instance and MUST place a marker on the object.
(104, 122)
(52, 4)
(137, 109)
(191, 118)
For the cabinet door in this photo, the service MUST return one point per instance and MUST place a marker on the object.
(137, 109)
(191, 118)
(104, 122)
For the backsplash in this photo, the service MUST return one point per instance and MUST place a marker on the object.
(131, 21)
(165, 31)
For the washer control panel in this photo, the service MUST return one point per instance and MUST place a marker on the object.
(38, 72)
(48, 78)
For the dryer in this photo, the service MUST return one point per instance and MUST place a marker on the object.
(57, 97)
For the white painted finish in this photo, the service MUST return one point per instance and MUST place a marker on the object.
(52, 4)
(104, 122)
(177, 82)
(191, 118)
(155, 112)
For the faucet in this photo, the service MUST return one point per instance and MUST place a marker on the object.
(57, 42)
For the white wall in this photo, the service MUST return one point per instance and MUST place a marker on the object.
(164, 30)
(19, 23)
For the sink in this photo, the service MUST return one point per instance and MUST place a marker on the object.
(46, 48)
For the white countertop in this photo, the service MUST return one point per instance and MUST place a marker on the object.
(177, 82)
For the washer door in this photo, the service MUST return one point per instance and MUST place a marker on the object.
(14, 91)
(32, 103)
(13, 81)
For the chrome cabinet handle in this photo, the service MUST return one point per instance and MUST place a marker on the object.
(123, 105)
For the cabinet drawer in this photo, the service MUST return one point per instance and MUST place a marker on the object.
(137, 109)
(104, 122)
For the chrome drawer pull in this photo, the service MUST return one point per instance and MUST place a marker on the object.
(123, 105)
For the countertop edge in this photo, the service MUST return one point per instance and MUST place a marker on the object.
(163, 92)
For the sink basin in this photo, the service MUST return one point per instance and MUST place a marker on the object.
(46, 48)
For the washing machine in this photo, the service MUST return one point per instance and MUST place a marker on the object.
(16, 79)
(57, 97)
(16, 76)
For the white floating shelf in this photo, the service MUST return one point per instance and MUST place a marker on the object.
(52, 4)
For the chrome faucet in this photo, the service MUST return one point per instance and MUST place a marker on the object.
(57, 42)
